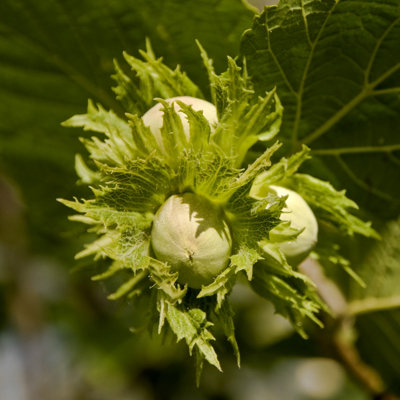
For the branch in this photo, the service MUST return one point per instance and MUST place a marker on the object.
(368, 305)
(356, 150)
(350, 358)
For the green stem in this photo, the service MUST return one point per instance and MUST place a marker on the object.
(348, 355)
(357, 307)
(356, 150)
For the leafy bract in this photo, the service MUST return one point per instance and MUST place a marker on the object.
(155, 80)
(244, 117)
(336, 67)
(192, 326)
(293, 297)
(132, 173)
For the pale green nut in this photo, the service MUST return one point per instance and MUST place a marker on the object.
(153, 118)
(191, 235)
(300, 216)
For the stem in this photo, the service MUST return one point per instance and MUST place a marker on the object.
(364, 306)
(356, 150)
(351, 360)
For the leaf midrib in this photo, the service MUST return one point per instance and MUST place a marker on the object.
(305, 72)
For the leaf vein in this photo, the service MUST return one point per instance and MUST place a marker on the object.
(300, 93)
(278, 65)
(362, 184)
(376, 49)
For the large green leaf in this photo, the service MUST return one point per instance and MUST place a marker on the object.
(55, 54)
(336, 66)
(377, 307)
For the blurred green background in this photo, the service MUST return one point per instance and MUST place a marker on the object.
(60, 338)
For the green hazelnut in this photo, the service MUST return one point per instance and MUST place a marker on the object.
(153, 118)
(191, 235)
(300, 216)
